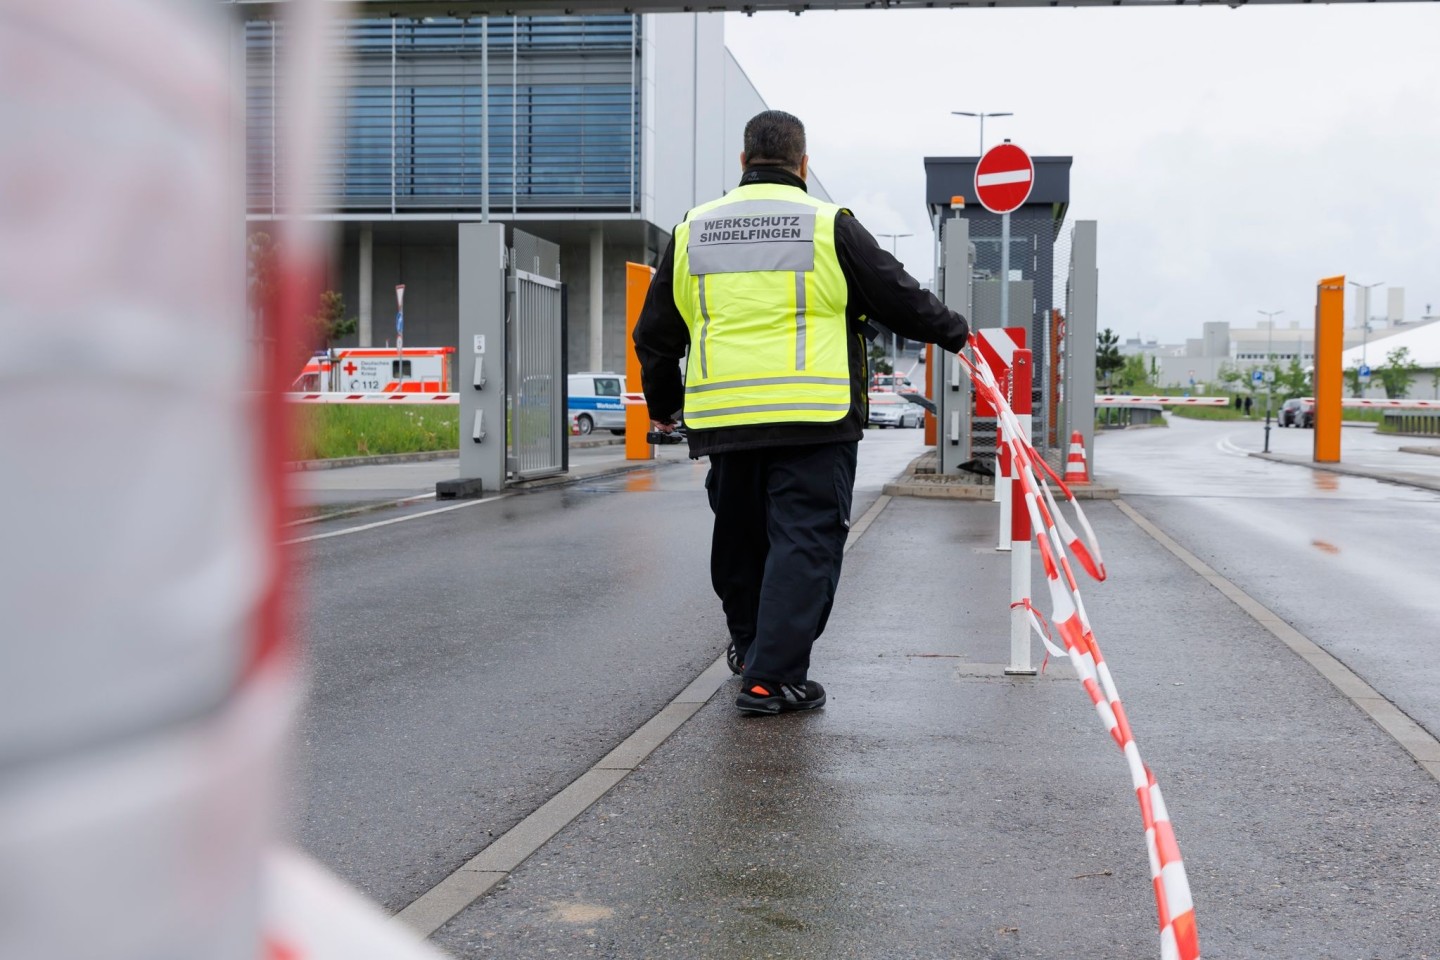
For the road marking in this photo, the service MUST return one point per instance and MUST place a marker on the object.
(1416, 740)
(1226, 445)
(477, 876)
(385, 523)
(368, 508)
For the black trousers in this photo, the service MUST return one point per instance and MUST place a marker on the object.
(781, 518)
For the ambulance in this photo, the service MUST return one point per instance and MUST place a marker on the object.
(377, 370)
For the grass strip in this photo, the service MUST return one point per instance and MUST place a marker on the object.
(329, 430)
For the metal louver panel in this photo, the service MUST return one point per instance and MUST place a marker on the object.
(563, 111)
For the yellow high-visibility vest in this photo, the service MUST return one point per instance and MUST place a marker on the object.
(759, 284)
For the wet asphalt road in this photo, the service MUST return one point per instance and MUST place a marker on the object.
(468, 665)
(934, 808)
(1348, 561)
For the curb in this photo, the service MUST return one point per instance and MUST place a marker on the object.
(951, 487)
(1427, 451)
(336, 463)
(1399, 479)
(943, 489)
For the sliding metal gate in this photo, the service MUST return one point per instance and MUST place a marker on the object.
(536, 386)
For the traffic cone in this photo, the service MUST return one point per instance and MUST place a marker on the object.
(1075, 468)
(574, 426)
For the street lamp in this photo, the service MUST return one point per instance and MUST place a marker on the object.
(1270, 316)
(981, 116)
(1365, 315)
(894, 344)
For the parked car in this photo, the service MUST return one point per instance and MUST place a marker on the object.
(892, 410)
(1297, 412)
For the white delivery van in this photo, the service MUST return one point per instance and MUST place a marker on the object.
(595, 402)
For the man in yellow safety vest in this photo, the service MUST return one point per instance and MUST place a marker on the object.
(767, 290)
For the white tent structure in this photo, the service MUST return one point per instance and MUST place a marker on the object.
(1423, 342)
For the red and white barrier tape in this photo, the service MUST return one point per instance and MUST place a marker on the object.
(1179, 937)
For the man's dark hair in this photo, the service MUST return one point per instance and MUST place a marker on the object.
(775, 138)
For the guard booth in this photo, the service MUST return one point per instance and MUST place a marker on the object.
(512, 359)
(968, 280)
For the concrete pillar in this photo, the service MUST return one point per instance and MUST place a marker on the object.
(482, 342)
(950, 382)
(597, 297)
(1080, 334)
(367, 284)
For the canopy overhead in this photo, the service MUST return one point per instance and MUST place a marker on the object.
(266, 9)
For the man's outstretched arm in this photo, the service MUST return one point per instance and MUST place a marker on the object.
(890, 295)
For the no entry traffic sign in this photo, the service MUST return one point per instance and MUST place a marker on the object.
(1003, 178)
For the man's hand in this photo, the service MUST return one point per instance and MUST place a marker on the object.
(663, 426)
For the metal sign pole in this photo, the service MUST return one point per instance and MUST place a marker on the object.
(1005, 270)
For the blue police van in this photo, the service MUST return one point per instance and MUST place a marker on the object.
(596, 402)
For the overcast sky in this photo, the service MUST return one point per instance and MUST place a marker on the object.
(1231, 157)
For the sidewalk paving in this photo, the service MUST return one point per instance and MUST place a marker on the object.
(370, 486)
(937, 808)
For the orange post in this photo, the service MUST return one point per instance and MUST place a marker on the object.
(1329, 376)
(637, 417)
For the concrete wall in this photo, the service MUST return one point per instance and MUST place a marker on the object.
(1216, 335)
(575, 272)
(430, 273)
(683, 158)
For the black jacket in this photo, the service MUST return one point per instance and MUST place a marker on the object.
(879, 289)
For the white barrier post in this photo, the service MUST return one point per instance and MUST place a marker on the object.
(1021, 373)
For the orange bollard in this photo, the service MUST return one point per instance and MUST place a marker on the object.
(637, 417)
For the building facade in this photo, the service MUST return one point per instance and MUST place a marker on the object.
(594, 132)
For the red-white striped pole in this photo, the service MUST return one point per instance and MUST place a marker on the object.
(1004, 474)
(1018, 515)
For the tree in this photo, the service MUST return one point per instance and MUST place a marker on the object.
(1397, 372)
(1291, 381)
(879, 361)
(329, 323)
(1232, 377)
(1352, 380)
(1133, 376)
(1107, 355)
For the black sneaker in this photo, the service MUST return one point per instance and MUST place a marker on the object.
(762, 696)
(733, 660)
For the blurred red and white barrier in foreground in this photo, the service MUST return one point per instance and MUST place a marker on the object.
(148, 681)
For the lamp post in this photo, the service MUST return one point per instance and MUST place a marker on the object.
(894, 343)
(1365, 319)
(981, 117)
(1270, 316)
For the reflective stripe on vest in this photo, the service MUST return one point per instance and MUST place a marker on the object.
(760, 287)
